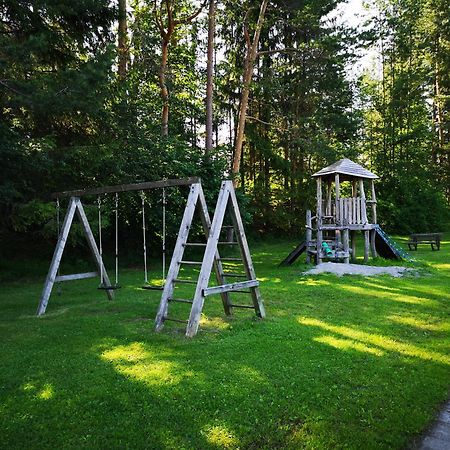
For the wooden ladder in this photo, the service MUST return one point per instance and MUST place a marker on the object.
(226, 203)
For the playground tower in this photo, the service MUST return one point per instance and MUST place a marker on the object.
(346, 204)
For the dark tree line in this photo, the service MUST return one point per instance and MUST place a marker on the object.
(94, 92)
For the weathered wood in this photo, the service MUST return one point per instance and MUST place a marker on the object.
(76, 276)
(373, 247)
(230, 287)
(245, 251)
(353, 239)
(374, 202)
(366, 246)
(208, 259)
(319, 220)
(329, 193)
(337, 186)
(345, 245)
(128, 187)
(434, 239)
(363, 201)
(57, 255)
(74, 206)
(308, 236)
(93, 248)
(218, 266)
(177, 255)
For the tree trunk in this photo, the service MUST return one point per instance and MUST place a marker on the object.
(163, 88)
(248, 71)
(210, 77)
(122, 40)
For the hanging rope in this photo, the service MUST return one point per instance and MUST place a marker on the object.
(58, 232)
(164, 201)
(117, 239)
(144, 240)
(100, 245)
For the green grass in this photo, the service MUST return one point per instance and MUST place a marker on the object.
(345, 362)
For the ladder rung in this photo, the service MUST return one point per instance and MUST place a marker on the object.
(243, 306)
(194, 244)
(234, 275)
(228, 226)
(180, 300)
(228, 243)
(191, 263)
(175, 320)
(231, 259)
(177, 280)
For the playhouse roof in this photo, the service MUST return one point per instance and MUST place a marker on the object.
(346, 167)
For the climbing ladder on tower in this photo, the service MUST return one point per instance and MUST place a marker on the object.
(226, 204)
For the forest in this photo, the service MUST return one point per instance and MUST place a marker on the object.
(96, 93)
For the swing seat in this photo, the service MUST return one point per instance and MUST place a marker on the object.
(104, 287)
(153, 287)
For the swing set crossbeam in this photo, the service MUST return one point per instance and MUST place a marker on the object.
(128, 187)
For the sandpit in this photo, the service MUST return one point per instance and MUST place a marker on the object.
(340, 269)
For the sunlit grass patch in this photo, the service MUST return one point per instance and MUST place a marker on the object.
(137, 361)
(220, 436)
(384, 342)
(347, 344)
(395, 297)
(420, 324)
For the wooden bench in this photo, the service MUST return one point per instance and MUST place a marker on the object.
(434, 239)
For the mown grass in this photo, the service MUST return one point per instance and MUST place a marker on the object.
(347, 362)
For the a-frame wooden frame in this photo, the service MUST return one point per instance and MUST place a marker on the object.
(75, 206)
(226, 202)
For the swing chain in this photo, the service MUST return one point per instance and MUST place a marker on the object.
(144, 240)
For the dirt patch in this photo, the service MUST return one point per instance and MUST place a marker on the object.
(340, 269)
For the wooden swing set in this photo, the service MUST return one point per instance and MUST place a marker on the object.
(196, 202)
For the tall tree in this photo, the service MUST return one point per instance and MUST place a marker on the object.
(210, 75)
(250, 57)
(168, 18)
(123, 54)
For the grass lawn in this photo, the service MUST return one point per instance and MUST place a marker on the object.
(347, 362)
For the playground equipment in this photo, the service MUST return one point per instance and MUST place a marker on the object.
(338, 218)
(226, 204)
(75, 206)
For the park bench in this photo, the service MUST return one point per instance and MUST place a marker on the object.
(434, 239)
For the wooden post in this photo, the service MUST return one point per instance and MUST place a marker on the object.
(353, 238)
(177, 255)
(373, 247)
(345, 244)
(319, 221)
(308, 236)
(328, 208)
(337, 187)
(374, 202)
(363, 202)
(366, 245)
(93, 247)
(354, 189)
(218, 267)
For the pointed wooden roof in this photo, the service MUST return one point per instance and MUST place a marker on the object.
(346, 167)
